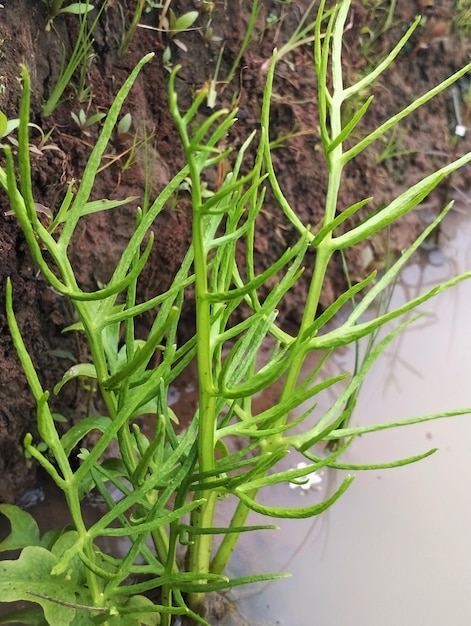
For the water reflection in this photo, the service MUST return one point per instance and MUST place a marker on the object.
(396, 548)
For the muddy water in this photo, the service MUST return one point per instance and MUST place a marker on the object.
(396, 548)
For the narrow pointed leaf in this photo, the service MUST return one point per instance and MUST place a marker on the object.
(299, 513)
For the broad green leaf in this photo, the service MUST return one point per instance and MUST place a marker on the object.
(24, 530)
(77, 8)
(79, 118)
(86, 370)
(76, 326)
(21, 579)
(185, 21)
(124, 124)
(11, 126)
(57, 417)
(50, 538)
(85, 618)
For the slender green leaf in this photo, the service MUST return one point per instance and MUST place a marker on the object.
(77, 432)
(299, 513)
(3, 124)
(80, 370)
(101, 205)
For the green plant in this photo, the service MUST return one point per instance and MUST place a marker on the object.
(391, 147)
(172, 25)
(124, 126)
(462, 18)
(174, 474)
(80, 58)
(129, 34)
(137, 149)
(84, 122)
(56, 7)
(303, 34)
(380, 20)
(254, 12)
(151, 5)
(7, 126)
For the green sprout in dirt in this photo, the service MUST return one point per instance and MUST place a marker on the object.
(382, 14)
(129, 34)
(56, 7)
(169, 22)
(172, 483)
(79, 59)
(84, 122)
(462, 18)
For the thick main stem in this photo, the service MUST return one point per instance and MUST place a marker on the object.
(324, 253)
(202, 517)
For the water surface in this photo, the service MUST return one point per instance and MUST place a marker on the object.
(396, 548)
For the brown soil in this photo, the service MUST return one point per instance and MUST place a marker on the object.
(426, 141)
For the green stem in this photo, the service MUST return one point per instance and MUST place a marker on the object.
(99, 360)
(132, 28)
(229, 542)
(200, 552)
(73, 502)
(68, 484)
(335, 166)
(323, 256)
(203, 516)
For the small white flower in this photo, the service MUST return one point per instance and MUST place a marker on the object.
(312, 481)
